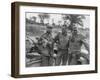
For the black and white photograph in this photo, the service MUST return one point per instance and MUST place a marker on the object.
(51, 39)
(54, 39)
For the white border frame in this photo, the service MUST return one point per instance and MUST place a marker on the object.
(38, 70)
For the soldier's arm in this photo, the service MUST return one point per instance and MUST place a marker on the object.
(86, 45)
(42, 36)
(87, 48)
(56, 38)
(84, 42)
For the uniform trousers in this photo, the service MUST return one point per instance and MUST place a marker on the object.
(62, 57)
(73, 58)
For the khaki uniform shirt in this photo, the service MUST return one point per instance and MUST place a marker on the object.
(75, 43)
(62, 41)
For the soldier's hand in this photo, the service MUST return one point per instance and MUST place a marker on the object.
(54, 55)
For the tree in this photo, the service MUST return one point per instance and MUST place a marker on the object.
(33, 18)
(27, 20)
(78, 19)
(59, 23)
(43, 16)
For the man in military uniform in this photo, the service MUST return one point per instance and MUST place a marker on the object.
(62, 44)
(47, 47)
(75, 44)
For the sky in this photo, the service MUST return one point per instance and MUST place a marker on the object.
(56, 18)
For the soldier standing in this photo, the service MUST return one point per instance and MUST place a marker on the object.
(75, 43)
(62, 44)
(47, 50)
